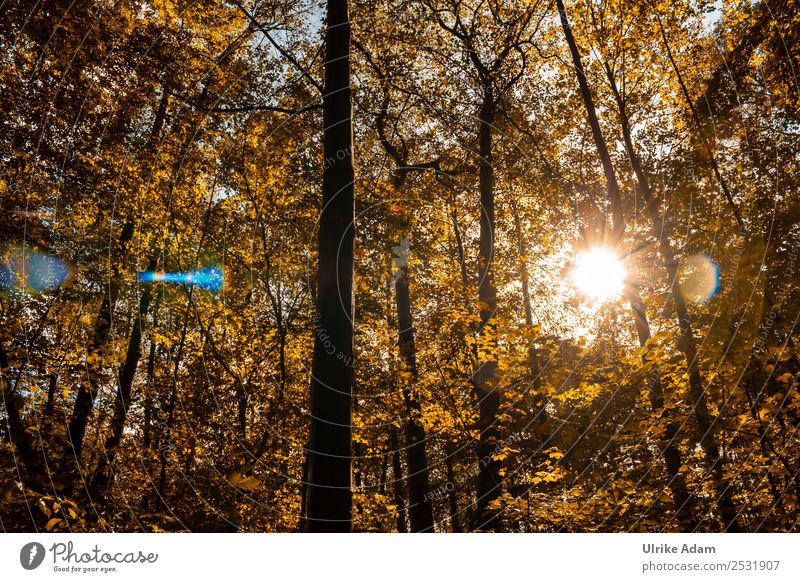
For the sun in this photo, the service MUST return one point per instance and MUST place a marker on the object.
(599, 274)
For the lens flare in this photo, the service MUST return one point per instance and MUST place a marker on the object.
(599, 274)
(32, 271)
(698, 278)
(208, 278)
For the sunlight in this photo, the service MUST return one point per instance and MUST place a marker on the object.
(599, 274)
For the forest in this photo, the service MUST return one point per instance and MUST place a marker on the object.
(399, 266)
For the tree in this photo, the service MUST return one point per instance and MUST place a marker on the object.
(329, 497)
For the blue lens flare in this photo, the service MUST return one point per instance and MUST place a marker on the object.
(208, 278)
(33, 271)
(8, 278)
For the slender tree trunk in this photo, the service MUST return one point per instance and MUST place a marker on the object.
(684, 505)
(539, 399)
(701, 134)
(768, 448)
(148, 397)
(455, 522)
(462, 263)
(105, 468)
(51, 392)
(168, 445)
(705, 425)
(682, 500)
(242, 396)
(420, 506)
(282, 362)
(330, 496)
(612, 185)
(397, 480)
(489, 481)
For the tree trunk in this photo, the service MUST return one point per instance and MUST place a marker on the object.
(455, 522)
(613, 238)
(682, 500)
(420, 507)
(701, 134)
(84, 403)
(539, 399)
(489, 482)
(705, 425)
(166, 450)
(397, 480)
(282, 362)
(329, 488)
(104, 472)
(148, 397)
(51, 392)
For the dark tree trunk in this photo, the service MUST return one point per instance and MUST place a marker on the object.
(51, 392)
(669, 447)
(104, 472)
(242, 396)
(615, 236)
(397, 481)
(148, 397)
(681, 498)
(701, 134)
(539, 399)
(489, 482)
(330, 494)
(420, 507)
(166, 449)
(687, 344)
(282, 362)
(462, 263)
(455, 522)
(84, 402)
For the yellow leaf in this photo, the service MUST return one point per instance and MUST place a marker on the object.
(245, 483)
